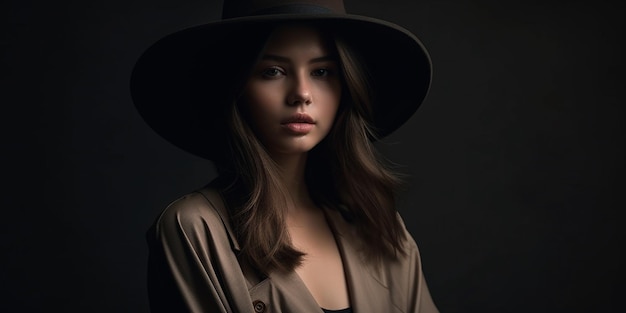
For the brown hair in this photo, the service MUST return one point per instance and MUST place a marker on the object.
(343, 172)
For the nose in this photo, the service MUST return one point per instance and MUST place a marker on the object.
(300, 92)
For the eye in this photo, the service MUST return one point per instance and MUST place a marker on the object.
(272, 72)
(322, 72)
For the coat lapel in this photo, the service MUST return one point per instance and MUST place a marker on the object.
(367, 291)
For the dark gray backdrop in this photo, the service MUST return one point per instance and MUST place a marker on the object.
(516, 159)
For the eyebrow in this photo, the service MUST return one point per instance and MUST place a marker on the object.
(279, 58)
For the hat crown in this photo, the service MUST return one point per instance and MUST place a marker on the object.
(241, 8)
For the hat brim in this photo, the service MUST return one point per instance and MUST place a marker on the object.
(185, 109)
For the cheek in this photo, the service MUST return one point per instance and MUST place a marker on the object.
(257, 100)
(261, 104)
(330, 101)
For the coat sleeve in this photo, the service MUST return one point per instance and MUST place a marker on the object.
(191, 266)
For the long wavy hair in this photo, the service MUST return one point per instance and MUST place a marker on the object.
(343, 172)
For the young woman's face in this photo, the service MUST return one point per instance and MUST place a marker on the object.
(294, 91)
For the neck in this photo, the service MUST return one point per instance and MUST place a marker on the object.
(292, 169)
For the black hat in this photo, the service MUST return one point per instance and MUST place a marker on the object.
(182, 84)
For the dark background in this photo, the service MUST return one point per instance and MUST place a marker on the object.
(516, 159)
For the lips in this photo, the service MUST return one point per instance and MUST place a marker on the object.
(298, 124)
(299, 118)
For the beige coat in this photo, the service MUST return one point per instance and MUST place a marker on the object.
(193, 267)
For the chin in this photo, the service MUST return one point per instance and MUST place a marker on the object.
(297, 147)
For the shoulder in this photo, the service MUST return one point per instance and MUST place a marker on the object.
(409, 260)
(187, 210)
(396, 273)
(408, 243)
(190, 215)
(410, 277)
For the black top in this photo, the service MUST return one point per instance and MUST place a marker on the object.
(346, 310)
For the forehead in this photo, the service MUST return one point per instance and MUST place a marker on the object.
(297, 39)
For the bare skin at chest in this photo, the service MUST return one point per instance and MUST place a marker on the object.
(322, 269)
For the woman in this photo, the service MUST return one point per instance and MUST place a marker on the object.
(285, 98)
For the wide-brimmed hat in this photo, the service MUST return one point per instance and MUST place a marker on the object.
(182, 84)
